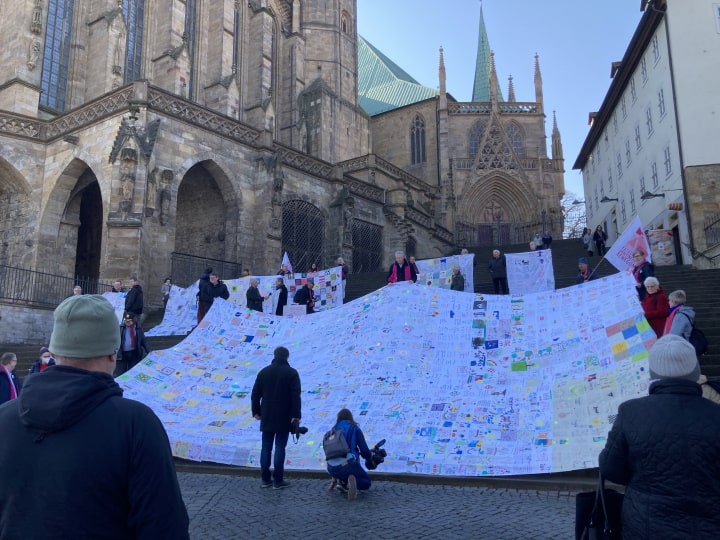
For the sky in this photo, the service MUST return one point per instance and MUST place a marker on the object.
(576, 40)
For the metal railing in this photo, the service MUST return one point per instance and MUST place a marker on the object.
(712, 230)
(186, 269)
(32, 288)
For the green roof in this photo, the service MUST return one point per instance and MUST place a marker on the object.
(481, 86)
(383, 85)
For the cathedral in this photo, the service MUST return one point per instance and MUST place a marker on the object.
(136, 134)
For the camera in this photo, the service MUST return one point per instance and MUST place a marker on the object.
(296, 429)
(378, 455)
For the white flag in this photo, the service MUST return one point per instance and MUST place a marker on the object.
(633, 239)
(286, 262)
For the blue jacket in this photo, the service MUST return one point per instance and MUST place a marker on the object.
(356, 441)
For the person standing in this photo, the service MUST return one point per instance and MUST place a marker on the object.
(306, 296)
(203, 281)
(497, 266)
(680, 318)
(10, 384)
(213, 289)
(414, 265)
(458, 280)
(547, 240)
(77, 290)
(165, 290)
(655, 305)
(45, 361)
(664, 448)
(587, 241)
(641, 271)
(275, 401)
(133, 346)
(101, 465)
(117, 287)
(282, 296)
(253, 297)
(600, 238)
(345, 270)
(401, 269)
(584, 273)
(134, 299)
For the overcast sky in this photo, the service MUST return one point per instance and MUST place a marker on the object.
(576, 40)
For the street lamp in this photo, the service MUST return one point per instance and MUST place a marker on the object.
(607, 199)
(647, 195)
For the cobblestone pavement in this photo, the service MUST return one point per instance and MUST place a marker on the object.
(236, 507)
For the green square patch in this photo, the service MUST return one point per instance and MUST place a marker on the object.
(518, 366)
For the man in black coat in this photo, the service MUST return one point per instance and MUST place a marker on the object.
(253, 297)
(665, 448)
(214, 288)
(282, 296)
(77, 460)
(497, 266)
(275, 401)
(133, 346)
(134, 299)
(10, 384)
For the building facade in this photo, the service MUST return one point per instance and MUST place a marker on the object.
(134, 131)
(649, 151)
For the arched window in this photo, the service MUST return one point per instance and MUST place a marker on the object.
(417, 141)
(56, 54)
(134, 15)
(303, 232)
(476, 134)
(515, 136)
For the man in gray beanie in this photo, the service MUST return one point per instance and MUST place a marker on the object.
(77, 460)
(666, 448)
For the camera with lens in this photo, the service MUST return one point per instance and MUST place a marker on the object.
(377, 456)
(296, 429)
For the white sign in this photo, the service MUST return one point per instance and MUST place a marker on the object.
(530, 272)
(438, 272)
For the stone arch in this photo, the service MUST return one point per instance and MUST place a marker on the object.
(515, 199)
(71, 228)
(206, 211)
(17, 225)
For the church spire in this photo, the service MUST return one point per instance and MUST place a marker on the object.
(441, 71)
(557, 151)
(538, 80)
(511, 89)
(481, 86)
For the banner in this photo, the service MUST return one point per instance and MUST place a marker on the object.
(438, 272)
(620, 254)
(530, 272)
(460, 385)
(117, 299)
(181, 312)
(662, 247)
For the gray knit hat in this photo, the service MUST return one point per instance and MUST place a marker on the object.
(673, 357)
(85, 327)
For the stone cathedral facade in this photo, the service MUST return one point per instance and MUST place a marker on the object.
(135, 130)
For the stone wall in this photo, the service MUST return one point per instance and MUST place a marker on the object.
(703, 194)
(22, 325)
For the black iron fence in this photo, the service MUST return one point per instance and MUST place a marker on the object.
(186, 269)
(32, 288)
(712, 230)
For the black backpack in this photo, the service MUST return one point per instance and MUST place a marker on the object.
(334, 444)
(697, 338)
(300, 296)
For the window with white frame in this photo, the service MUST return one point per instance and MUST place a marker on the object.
(610, 179)
(623, 213)
(642, 185)
(655, 48)
(638, 139)
(628, 154)
(633, 91)
(654, 175)
(632, 201)
(661, 102)
(618, 164)
(597, 200)
(615, 124)
(602, 184)
(623, 107)
(643, 69)
(668, 161)
(649, 120)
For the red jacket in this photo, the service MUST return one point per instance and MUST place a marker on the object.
(656, 308)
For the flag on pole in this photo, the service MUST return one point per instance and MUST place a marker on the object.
(620, 254)
(286, 262)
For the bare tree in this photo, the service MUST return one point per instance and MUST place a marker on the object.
(574, 214)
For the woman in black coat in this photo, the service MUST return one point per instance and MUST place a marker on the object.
(665, 448)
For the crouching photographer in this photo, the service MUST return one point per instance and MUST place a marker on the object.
(343, 445)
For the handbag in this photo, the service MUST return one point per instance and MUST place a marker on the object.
(597, 513)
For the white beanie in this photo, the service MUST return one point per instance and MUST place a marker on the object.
(673, 357)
